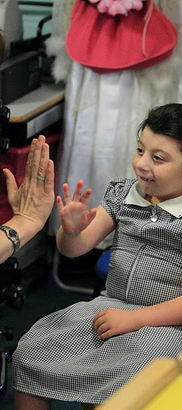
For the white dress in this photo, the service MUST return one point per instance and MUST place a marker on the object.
(102, 114)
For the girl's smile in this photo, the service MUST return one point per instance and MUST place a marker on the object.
(145, 179)
(158, 166)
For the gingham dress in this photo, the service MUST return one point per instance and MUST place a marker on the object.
(62, 357)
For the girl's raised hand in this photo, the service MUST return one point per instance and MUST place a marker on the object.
(74, 213)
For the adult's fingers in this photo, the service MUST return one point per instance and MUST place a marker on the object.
(28, 167)
(43, 164)
(37, 155)
(10, 183)
(49, 177)
(34, 156)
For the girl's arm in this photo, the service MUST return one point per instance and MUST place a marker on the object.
(81, 229)
(112, 322)
(162, 314)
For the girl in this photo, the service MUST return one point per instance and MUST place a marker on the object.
(102, 110)
(87, 351)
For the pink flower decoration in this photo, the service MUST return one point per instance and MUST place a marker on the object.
(113, 7)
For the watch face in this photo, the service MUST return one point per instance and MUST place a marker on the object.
(14, 237)
(12, 233)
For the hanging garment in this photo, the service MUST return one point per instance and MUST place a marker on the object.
(138, 40)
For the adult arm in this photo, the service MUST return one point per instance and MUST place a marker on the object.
(81, 229)
(33, 200)
(112, 322)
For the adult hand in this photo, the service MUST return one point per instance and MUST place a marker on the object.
(74, 213)
(113, 322)
(35, 197)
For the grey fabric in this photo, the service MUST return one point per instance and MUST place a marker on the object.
(61, 356)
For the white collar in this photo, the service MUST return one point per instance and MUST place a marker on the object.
(172, 206)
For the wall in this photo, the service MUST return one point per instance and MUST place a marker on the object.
(32, 14)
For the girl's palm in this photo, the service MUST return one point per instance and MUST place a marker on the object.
(74, 213)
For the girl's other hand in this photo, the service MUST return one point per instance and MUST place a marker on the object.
(113, 322)
(74, 213)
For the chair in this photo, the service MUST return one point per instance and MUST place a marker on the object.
(11, 294)
(76, 275)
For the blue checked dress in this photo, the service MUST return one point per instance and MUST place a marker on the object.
(61, 357)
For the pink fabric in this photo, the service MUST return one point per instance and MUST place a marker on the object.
(104, 43)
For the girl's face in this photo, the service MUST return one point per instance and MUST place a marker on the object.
(158, 166)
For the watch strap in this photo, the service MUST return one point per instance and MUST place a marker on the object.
(12, 235)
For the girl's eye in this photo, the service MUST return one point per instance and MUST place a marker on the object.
(139, 150)
(157, 158)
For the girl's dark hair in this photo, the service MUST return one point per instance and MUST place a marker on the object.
(166, 120)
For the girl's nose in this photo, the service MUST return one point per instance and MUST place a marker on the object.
(143, 162)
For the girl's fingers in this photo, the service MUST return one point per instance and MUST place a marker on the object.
(78, 196)
(97, 323)
(97, 316)
(85, 197)
(92, 214)
(78, 191)
(105, 335)
(66, 194)
(59, 203)
(102, 329)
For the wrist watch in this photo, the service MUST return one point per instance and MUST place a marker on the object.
(12, 235)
